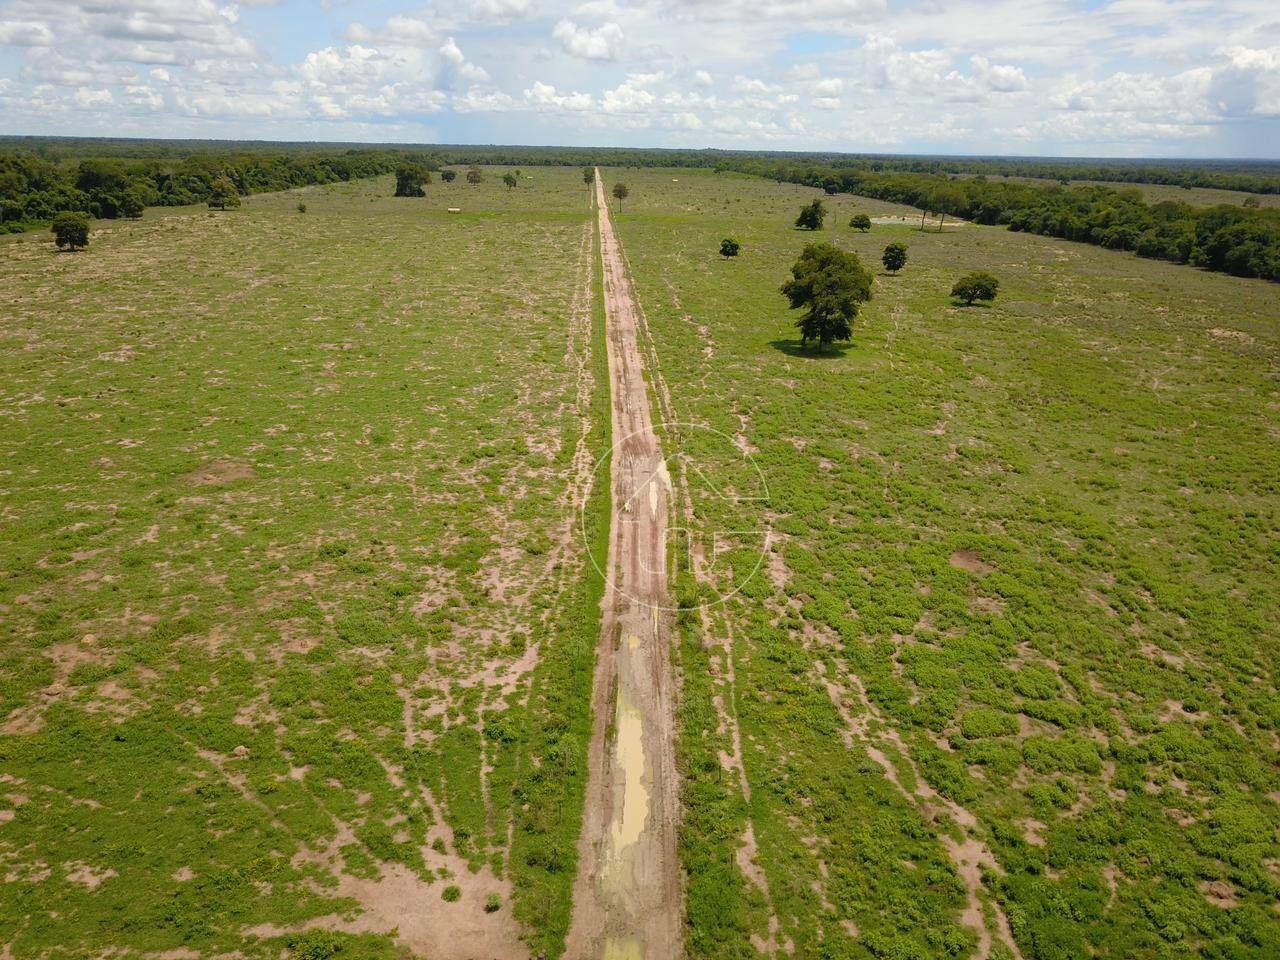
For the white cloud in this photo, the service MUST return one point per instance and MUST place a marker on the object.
(143, 96)
(602, 43)
(1002, 78)
(84, 97)
(397, 31)
(1131, 76)
(25, 33)
(500, 11)
(544, 96)
(462, 67)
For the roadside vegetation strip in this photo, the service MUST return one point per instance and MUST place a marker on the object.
(550, 792)
(282, 590)
(1067, 639)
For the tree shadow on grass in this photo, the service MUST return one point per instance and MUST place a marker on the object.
(792, 348)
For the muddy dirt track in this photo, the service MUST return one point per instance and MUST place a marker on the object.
(627, 894)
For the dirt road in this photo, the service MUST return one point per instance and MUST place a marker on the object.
(628, 893)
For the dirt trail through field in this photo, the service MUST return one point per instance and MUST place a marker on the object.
(627, 895)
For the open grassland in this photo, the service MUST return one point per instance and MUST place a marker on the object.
(1007, 677)
(298, 629)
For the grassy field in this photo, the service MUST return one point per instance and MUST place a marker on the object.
(298, 629)
(1024, 556)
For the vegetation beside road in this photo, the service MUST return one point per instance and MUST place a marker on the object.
(297, 617)
(1039, 535)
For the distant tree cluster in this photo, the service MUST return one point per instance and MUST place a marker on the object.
(36, 184)
(1240, 240)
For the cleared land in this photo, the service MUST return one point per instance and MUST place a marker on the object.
(1009, 672)
(300, 632)
(299, 628)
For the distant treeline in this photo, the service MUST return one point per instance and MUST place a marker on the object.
(1242, 175)
(1240, 240)
(1247, 176)
(41, 176)
(37, 184)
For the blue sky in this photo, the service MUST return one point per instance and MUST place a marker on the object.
(1060, 77)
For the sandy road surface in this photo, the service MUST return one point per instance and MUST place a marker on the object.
(627, 895)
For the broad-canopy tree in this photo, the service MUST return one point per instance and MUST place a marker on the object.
(978, 285)
(831, 284)
(71, 230)
(510, 179)
(411, 179)
(223, 195)
(811, 217)
(729, 247)
(474, 175)
(621, 193)
(861, 222)
(895, 257)
(448, 176)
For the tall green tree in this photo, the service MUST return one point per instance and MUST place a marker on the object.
(895, 257)
(71, 230)
(411, 179)
(811, 217)
(830, 284)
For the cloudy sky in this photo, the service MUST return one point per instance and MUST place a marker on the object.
(1062, 77)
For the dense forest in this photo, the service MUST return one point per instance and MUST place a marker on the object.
(103, 179)
(1246, 176)
(42, 176)
(1243, 175)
